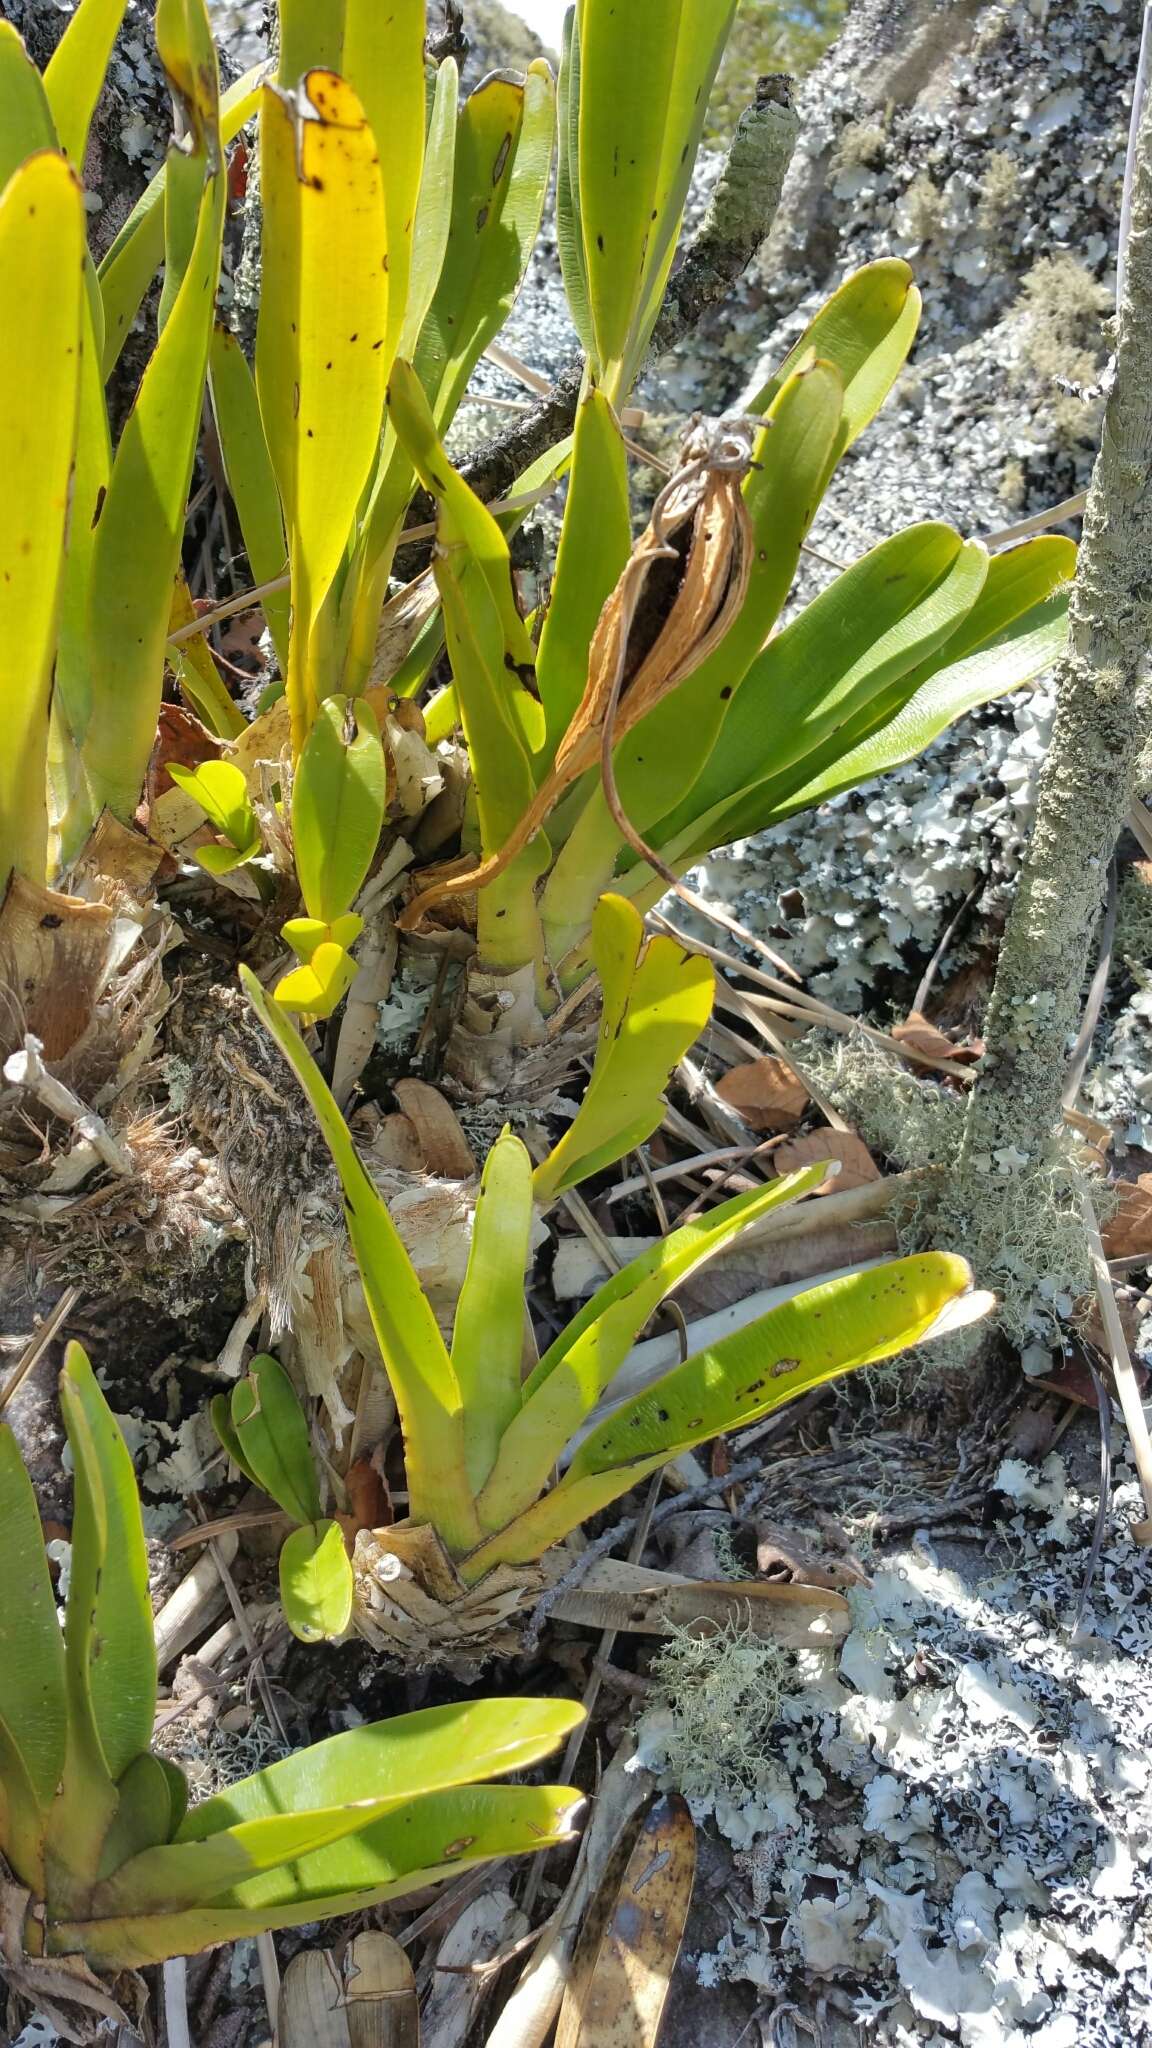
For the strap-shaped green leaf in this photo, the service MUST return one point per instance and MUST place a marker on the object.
(569, 229)
(26, 123)
(1016, 629)
(817, 1336)
(434, 205)
(433, 1750)
(110, 1655)
(316, 1582)
(272, 1432)
(311, 38)
(144, 1815)
(321, 364)
(595, 541)
(41, 299)
(657, 1000)
(488, 647)
(575, 1370)
(866, 329)
(33, 1709)
(220, 1413)
(427, 1395)
(488, 1336)
(131, 263)
(177, 1875)
(502, 160)
(76, 69)
(141, 525)
(644, 78)
(248, 469)
(455, 1831)
(339, 796)
(874, 624)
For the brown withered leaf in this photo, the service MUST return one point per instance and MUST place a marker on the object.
(180, 737)
(1127, 1234)
(857, 1166)
(445, 1149)
(53, 962)
(618, 1999)
(640, 1600)
(766, 1092)
(676, 597)
(917, 1035)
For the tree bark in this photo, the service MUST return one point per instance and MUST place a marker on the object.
(1090, 772)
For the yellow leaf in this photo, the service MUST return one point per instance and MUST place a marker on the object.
(41, 291)
(321, 352)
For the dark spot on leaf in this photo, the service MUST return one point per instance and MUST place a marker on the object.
(101, 494)
(482, 220)
(725, 693)
(50, 922)
(600, 243)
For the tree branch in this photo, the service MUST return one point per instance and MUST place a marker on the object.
(1089, 776)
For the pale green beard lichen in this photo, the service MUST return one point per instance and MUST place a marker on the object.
(722, 1693)
(1024, 1234)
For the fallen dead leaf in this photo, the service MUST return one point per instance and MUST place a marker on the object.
(917, 1035)
(617, 2000)
(1128, 1232)
(857, 1166)
(446, 1150)
(767, 1094)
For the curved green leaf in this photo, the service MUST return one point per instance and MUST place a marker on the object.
(76, 68)
(250, 478)
(595, 542)
(25, 117)
(455, 1831)
(316, 1582)
(569, 229)
(144, 1815)
(657, 1000)
(488, 1337)
(138, 538)
(33, 1709)
(575, 1370)
(816, 1336)
(383, 59)
(502, 160)
(138, 250)
(110, 1655)
(272, 1431)
(874, 624)
(866, 329)
(1017, 628)
(339, 796)
(433, 1750)
(177, 1875)
(427, 1394)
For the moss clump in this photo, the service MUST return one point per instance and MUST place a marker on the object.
(722, 1693)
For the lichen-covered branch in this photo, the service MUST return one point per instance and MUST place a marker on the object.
(1089, 775)
(739, 215)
